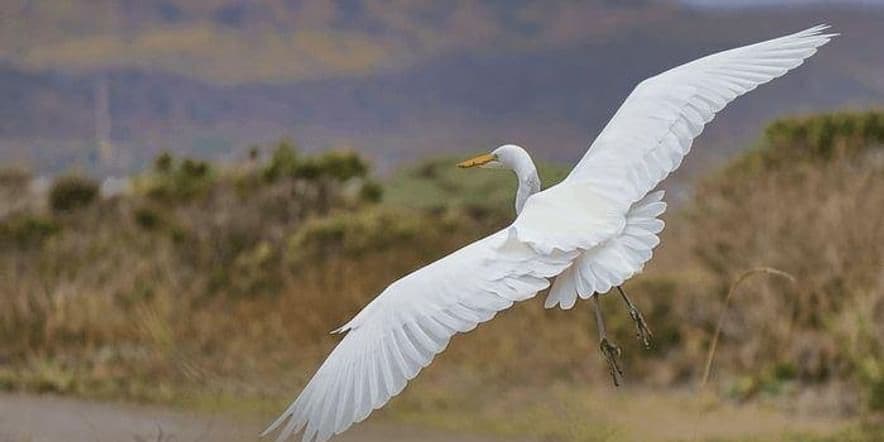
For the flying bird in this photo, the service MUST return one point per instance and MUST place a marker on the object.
(583, 237)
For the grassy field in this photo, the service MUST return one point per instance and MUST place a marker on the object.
(213, 287)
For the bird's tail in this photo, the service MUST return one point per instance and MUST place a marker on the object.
(601, 268)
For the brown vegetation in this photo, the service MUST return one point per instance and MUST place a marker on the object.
(224, 282)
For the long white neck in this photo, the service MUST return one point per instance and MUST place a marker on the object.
(529, 182)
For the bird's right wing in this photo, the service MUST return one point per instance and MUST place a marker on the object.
(402, 330)
(653, 130)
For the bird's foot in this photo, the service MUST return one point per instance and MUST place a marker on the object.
(611, 353)
(642, 331)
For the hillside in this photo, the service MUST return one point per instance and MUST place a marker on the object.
(206, 78)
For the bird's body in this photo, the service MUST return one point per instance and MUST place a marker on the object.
(589, 233)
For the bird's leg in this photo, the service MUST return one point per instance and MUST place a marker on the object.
(610, 351)
(642, 331)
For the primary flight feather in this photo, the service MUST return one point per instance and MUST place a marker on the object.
(590, 233)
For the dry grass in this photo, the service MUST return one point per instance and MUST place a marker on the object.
(219, 292)
(822, 225)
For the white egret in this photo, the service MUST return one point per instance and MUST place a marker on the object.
(591, 232)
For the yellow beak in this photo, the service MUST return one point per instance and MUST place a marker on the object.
(476, 161)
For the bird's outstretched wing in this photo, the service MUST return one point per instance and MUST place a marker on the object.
(648, 138)
(653, 130)
(400, 332)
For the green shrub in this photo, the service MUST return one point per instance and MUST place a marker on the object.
(822, 137)
(163, 163)
(283, 163)
(194, 169)
(148, 218)
(252, 271)
(825, 136)
(176, 183)
(354, 234)
(871, 378)
(72, 192)
(371, 192)
(341, 165)
(27, 230)
(338, 165)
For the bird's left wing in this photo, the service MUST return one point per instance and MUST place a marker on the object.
(654, 128)
(400, 332)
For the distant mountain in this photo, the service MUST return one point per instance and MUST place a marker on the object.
(552, 96)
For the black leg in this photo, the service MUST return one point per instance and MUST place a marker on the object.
(610, 351)
(642, 331)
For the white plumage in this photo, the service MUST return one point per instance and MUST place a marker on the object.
(601, 268)
(591, 232)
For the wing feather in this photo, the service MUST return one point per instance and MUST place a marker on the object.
(655, 127)
(406, 326)
(646, 140)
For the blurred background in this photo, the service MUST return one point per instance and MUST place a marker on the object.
(193, 193)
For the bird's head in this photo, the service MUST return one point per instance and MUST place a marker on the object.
(508, 156)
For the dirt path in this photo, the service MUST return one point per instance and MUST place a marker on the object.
(25, 418)
(626, 416)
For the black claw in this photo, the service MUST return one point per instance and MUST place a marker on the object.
(642, 331)
(611, 353)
